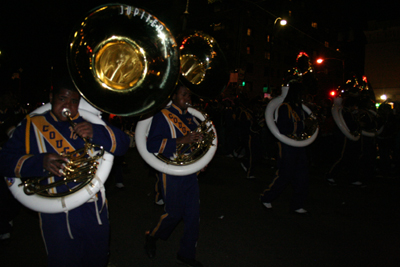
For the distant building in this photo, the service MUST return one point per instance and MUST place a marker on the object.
(382, 58)
(262, 54)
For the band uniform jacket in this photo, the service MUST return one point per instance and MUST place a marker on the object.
(22, 156)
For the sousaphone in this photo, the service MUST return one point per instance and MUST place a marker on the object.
(204, 73)
(366, 116)
(86, 172)
(303, 71)
(271, 117)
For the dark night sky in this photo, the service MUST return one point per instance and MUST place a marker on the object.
(33, 36)
(32, 31)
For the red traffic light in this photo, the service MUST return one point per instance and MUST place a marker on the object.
(332, 93)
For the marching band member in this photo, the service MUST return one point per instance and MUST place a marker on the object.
(292, 161)
(78, 237)
(349, 151)
(170, 127)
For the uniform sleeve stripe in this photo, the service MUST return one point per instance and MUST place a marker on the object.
(113, 141)
(162, 147)
(19, 165)
(27, 131)
(164, 177)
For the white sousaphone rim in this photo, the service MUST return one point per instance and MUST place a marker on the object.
(62, 204)
(374, 133)
(271, 112)
(337, 115)
(141, 133)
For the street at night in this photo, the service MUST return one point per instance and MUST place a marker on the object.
(269, 75)
(348, 226)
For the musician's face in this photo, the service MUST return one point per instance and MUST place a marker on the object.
(182, 97)
(64, 99)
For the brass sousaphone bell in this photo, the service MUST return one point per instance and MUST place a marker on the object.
(125, 61)
(204, 69)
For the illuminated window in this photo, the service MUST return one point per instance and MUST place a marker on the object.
(267, 55)
(314, 25)
(248, 32)
(268, 38)
(249, 50)
(219, 26)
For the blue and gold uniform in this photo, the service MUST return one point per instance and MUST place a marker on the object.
(292, 161)
(180, 193)
(79, 237)
(348, 153)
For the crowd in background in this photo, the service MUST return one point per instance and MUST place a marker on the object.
(243, 132)
(241, 127)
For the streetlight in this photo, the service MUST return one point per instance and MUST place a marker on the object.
(282, 21)
(321, 60)
(273, 48)
(185, 16)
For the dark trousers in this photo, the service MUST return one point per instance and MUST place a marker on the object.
(292, 168)
(253, 153)
(158, 188)
(181, 198)
(348, 162)
(9, 208)
(386, 148)
(117, 169)
(90, 243)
